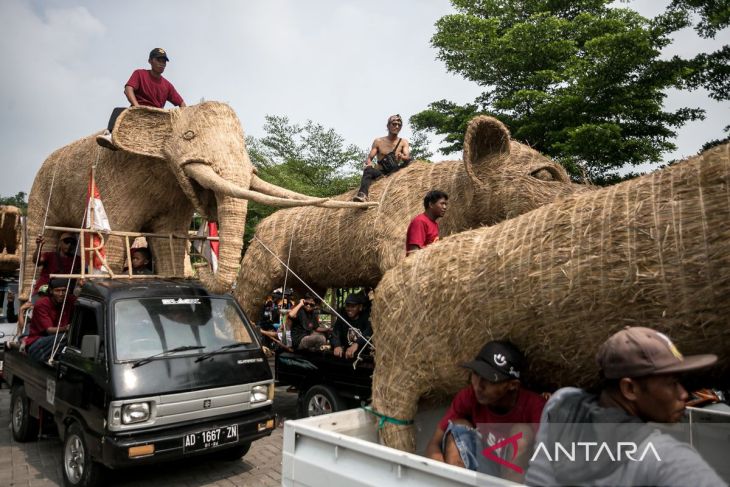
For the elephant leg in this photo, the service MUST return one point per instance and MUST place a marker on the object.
(395, 392)
(260, 273)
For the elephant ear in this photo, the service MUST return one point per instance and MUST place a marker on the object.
(486, 145)
(143, 130)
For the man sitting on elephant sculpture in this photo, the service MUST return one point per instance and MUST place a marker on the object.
(424, 228)
(393, 153)
(146, 87)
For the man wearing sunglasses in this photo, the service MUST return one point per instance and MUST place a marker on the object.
(306, 334)
(392, 153)
(64, 260)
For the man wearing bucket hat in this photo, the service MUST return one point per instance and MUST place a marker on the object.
(640, 369)
(51, 317)
(348, 338)
(146, 87)
(495, 407)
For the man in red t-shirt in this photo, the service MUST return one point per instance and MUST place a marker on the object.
(51, 317)
(65, 260)
(494, 409)
(146, 87)
(424, 229)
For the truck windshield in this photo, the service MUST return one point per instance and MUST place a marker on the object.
(148, 326)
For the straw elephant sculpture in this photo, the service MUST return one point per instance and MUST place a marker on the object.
(498, 179)
(557, 281)
(9, 238)
(170, 163)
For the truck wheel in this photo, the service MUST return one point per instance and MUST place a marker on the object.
(24, 425)
(320, 399)
(79, 470)
(235, 453)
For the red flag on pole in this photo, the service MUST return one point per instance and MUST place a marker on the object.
(209, 248)
(96, 219)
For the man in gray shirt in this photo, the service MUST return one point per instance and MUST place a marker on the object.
(604, 439)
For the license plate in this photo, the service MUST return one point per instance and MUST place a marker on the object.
(212, 438)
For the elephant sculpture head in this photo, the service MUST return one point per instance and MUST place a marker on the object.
(168, 163)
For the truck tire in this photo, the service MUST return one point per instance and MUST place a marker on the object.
(235, 453)
(320, 399)
(23, 424)
(79, 470)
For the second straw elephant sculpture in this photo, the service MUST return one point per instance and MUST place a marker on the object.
(557, 281)
(498, 179)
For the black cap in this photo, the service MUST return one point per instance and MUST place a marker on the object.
(497, 361)
(158, 52)
(355, 298)
(57, 282)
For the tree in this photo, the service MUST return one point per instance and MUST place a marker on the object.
(309, 159)
(18, 200)
(578, 80)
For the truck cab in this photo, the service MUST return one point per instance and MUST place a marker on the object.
(152, 370)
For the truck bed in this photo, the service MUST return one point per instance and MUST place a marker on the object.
(38, 378)
(342, 449)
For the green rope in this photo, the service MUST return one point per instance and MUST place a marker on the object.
(383, 418)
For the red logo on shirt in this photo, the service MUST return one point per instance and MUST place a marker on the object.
(490, 452)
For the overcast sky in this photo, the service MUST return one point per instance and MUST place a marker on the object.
(343, 63)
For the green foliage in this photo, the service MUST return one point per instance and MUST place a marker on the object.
(19, 200)
(579, 80)
(419, 146)
(309, 159)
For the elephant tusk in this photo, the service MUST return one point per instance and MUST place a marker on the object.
(207, 178)
(265, 187)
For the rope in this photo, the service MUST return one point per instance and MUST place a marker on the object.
(386, 419)
(334, 311)
(283, 295)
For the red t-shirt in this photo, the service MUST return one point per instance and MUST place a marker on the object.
(422, 231)
(56, 263)
(527, 410)
(45, 316)
(153, 92)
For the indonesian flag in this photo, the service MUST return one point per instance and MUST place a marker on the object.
(96, 219)
(209, 249)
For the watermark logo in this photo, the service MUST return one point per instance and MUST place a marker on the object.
(491, 452)
(593, 451)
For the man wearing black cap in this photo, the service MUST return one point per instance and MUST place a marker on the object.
(347, 339)
(640, 370)
(494, 408)
(50, 317)
(146, 87)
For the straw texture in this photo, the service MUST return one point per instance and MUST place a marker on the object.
(9, 239)
(497, 179)
(557, 281)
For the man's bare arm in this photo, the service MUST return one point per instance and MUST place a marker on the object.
(129, 93)
(404, 152)
(373, 152)
(433, 449)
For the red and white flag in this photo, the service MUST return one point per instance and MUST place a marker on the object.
(209, 248)
(96, 219)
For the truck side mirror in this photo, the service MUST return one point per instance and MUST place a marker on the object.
(90, 346)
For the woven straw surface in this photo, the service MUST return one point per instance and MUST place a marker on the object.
(497, 179)
(653, 251)
(9, 238)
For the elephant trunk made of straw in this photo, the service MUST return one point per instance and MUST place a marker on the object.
(498, 179)
(170, 163)
(557, 281)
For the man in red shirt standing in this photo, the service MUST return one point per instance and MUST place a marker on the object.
(51, 317)
(146, 87)
(424, 229)
(493, 417)
(65, 260)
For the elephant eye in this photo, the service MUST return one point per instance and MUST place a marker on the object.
(545, 174)
(189, 135)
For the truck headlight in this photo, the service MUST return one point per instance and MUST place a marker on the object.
(259, 393)
(137, 412)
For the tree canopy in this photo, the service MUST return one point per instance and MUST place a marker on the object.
(19, 200)
(579, 80)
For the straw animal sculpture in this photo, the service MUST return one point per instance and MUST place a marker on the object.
(9, 238)
(169, 164)
(498, 179)
(557, 281)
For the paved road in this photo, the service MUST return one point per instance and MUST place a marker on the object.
(38, 463)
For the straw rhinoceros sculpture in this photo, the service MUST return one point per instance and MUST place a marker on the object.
(557, 281)
(169, 163)
(498, 179)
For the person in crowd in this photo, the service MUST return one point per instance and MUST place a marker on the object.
(306, 332)
(64, 260)
(640, 370)
(392, 153)
(493, 408)
(424, 228)
(141, 261)
(51, 317)
(146, 87)
(349, 338)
